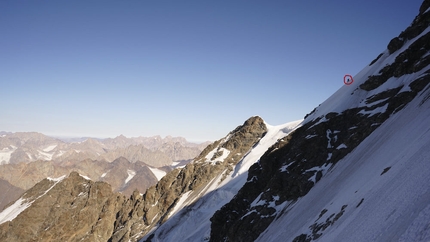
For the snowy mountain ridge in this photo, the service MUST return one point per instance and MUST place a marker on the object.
(216, 193)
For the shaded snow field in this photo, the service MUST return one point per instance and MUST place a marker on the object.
(387, 193)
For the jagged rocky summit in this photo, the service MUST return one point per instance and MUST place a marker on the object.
(355, 169)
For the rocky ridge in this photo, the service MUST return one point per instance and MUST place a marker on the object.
(158, 201)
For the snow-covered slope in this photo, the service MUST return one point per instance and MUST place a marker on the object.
(378, 192)
(357, 168)
(352, 96)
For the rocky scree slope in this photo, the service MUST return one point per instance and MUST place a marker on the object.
(292, 167)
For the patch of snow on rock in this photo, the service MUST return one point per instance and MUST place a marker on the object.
(57, 179)
(85, 177)
(131, 174)
(157, 172)
(49, 148)
(5, 154)
(14, 210)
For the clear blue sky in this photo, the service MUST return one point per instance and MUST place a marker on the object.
(195, 69)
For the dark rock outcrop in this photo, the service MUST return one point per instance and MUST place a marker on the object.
(419, 24)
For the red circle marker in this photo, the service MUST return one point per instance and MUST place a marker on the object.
(347, 79)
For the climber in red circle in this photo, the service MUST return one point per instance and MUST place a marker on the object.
(347, 79)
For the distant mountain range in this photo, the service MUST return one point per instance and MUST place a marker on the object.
(156, 151)
(126, 163)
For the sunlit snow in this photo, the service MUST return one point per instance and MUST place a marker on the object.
(57, 179)
(212, 157)
(14, 210)
(85, 177)
(45, 155)
(131, 174)
(157, 172)
(49, 148)
(6, 153)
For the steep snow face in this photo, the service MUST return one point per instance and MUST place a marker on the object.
(351, 96)
(190, 219)
(379, 192)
